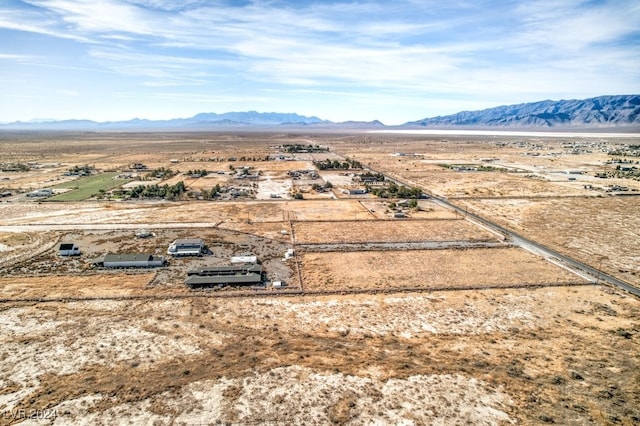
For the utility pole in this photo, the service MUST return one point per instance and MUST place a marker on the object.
(600, 268)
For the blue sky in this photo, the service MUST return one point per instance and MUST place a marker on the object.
(338, 60)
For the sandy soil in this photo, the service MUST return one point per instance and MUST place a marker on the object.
(88, 285)
(274, 184)
(280, 231)
(429, 269)
(539, 175)
(183, 212)
(28, 181)
(600, 232)
(354, 360)
(22, 246)
(493, 184)
(584, 223)
(534, 355)
(390, 231)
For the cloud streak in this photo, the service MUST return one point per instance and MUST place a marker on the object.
(474, 52)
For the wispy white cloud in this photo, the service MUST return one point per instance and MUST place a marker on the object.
(12, 20)
(410, 49)
(158, 70)
(16, 57)
(94, 16)
(572, 25)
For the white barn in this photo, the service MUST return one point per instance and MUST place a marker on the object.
(243, 259)
(186, 247)
(68, 249)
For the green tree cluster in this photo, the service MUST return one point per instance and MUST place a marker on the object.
(85, 169)
(337, 165)
(291, 148)
(378, 177)
(197, 172)
(212, 193)
(169, 192)
(394, 190)
(160, 173)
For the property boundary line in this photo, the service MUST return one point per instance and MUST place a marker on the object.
(288, 293)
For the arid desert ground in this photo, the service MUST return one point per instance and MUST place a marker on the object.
(379, 303)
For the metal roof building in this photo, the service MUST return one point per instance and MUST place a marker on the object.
(226, 270)
(224, 275)
(244, 259)
(186, 247)
(129, 261)
(198, 281)
(68, 249)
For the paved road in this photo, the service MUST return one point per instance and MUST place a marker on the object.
(584, 270)
(552, 255)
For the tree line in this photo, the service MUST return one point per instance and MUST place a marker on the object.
(337, 164)
(169, 192)
(394, 190)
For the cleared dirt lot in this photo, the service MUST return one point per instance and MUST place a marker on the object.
(88, 285)
(87, 213)
(494, 184)
(586, 223)
(428, 269)
(390, 231)
(602, 232)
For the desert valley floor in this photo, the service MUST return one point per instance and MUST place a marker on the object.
(402, 279)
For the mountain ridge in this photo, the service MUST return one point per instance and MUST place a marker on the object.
(599, 112)
(603, 112)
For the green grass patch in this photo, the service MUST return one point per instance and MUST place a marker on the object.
(88, 187)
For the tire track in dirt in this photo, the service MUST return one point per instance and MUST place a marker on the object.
(36, 247)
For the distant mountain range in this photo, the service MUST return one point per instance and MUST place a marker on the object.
(621, 111)
(600, 112)
(201, 121)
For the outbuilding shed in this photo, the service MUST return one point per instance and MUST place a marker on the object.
(197, 281)
(40, 193)
(130, 261)
(244, 259)
(218, 276)
(187, 247)
(68, 249)
(226, 270)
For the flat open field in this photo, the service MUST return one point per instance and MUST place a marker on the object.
(100, 213)
(390, 231)
(87, 187)
(428, 269)
(453, 184)
(60, 286)
(523, 168)
(531, 349)
(541, 203)
(603, 232)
